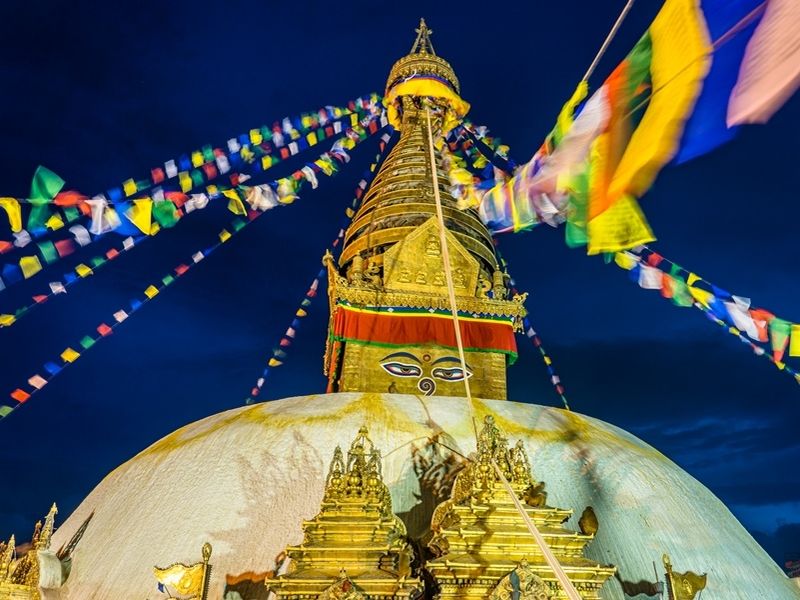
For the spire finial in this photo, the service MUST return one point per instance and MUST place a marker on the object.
(423, 45)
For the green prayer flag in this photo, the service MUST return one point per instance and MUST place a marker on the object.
(168, 279)
(208, 153)
(71, 213)
(165, 214)
(779, 332)
(48, 251)
(197, 177)
(577, 210)
(97, 261)
(320, 134)
(44, 187)
(87, 342)
(238, 224)
(5, 411)
(680, 292)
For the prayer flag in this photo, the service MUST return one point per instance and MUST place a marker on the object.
(20, 395)
(151, 291)
(224, 235)
(140, 214)
(69, 355)
(13, 212)
(770, 71)
(120, 316)
(5, 411)
(87, 342)
(56, 287)
(104, 329)
(37, 382)
(82, 270)
(779, 332)
(29, 265)
(794, 343)
(48, 251)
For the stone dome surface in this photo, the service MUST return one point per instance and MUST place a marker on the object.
(245, 479)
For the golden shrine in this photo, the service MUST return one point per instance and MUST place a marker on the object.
(483, 548)
(355, 548)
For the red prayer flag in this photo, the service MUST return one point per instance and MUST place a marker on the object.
(5, 246)
(104, 329)
(39, 298)
(112, 254)
(65, 247)
(181, 269)
(20, 395)
(157, 174)
(284, 153)
(69, 198)
(210, 170)
(177, 198)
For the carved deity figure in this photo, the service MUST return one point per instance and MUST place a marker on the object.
(521, 584)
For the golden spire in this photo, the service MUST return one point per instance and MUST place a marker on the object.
(423, 44)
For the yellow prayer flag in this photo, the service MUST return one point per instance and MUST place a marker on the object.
(701, 296)
(185, 181)
(154, 228)
(547, 360)
(224, 235)
(311, 138)
(14, 212)
(151, 291)
(300, 313)
(6, 320)
(274, 362)
(235, 204)
(565, 117)
(266, 161)
(54, 223)
(197, 158)
(82, 270)
(620, 227)
(129, 187)
(691, 279)
(625, 260)
(255, 137)
(30, 266)
(140, 214)
(681, 58)
(69, 355)
(794, 344)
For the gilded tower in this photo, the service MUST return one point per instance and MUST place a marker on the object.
(391, 327)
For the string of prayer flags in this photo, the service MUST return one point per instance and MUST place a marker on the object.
(257, 151)
(531, 334)
(355, 135)
(150, 216)
(760, 328)
(279, 352)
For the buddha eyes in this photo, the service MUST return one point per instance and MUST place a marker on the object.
(450, 373)
(399, 369)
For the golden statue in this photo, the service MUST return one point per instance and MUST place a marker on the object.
(186, 579)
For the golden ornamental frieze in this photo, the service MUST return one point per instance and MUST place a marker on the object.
(478, 306)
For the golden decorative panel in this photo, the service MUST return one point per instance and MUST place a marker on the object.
(416, 264)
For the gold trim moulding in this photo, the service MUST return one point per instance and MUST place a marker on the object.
(423, 63)
(480, 306)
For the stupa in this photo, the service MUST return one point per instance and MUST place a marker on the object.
(256, 482)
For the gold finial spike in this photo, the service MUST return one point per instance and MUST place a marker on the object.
(423, 45)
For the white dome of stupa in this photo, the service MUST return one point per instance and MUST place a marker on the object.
(245, 479)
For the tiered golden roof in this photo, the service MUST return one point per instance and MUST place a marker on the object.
(355, 547)
(480, 538)
(19, 577)
(423, 60)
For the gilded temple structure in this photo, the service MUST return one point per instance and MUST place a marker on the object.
(431, 500)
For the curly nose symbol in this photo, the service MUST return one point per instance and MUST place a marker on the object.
(427, 386)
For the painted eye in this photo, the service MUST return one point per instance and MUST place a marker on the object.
(399, 369)
(450, 373)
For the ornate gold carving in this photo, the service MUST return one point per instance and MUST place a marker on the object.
(521, 584)
(187, 579)
(422, 60)
(19, 576)
(421, 253)
(683, 586)
(355, 548)
(482, 543)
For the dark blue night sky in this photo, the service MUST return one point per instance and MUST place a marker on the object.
(100, 92)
